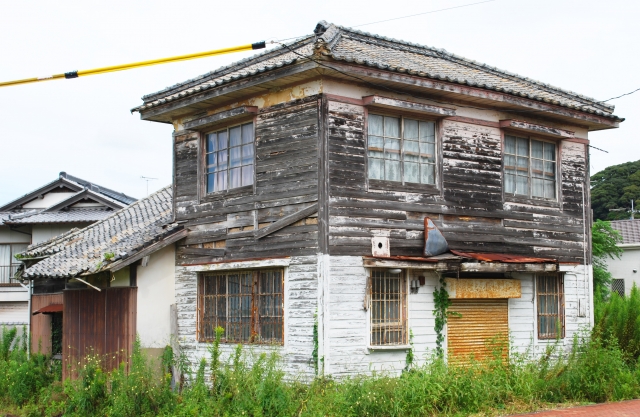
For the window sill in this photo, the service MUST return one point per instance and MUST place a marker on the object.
(390, 347)
(532, 201)
(234, 192)
(383, 185)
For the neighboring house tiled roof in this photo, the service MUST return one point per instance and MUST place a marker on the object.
(124, 233)
(629, 229)
(332, 42)
(64, 211)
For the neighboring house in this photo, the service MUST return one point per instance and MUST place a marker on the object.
(304, 175)
(118, 280)
(64, 204)
(624, 271)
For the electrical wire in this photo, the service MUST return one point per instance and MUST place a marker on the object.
(622, 95)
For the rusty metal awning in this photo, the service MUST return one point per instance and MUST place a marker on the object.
(503, 257)
(50, 309)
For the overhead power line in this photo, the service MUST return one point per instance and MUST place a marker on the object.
(122, 67)
(622, 95)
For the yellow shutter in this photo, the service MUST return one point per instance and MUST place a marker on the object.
(480, 328)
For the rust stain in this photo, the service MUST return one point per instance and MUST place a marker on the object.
(503, 257)
(483, 288)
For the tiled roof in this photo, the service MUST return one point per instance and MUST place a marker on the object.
(66, 216)
(629, 229)
(125, 232)
(332, 42)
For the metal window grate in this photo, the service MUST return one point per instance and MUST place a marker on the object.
(388, 310)
(247, 304)
(550, 298)
(617, 285)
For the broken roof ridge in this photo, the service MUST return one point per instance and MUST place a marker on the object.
(478, 65)
(227, 69)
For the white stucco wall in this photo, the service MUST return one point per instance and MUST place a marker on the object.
(623, 268)
(156, 293)
(11, 236)
(45, 231)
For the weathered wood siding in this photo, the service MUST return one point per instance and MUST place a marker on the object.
(469, 208)
(222, 226)
(301, 286)
(41, 323)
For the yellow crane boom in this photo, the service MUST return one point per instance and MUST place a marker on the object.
(122, 67)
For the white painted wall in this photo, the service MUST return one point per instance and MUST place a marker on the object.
(623, 268)
(48, 200)
(14, 313)
(156, 293)
(11, 236)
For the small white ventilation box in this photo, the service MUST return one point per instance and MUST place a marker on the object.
(380, 246)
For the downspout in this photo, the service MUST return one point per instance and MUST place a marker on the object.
(30, 290)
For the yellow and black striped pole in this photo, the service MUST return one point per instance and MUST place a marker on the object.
(82, 73)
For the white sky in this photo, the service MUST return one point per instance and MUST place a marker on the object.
(84, 127)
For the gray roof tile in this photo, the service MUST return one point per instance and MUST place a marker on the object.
(349, 45)
(629, 229)
(123, 233)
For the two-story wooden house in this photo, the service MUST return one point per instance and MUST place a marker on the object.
(304, 176)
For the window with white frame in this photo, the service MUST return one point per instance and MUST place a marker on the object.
(388, 308)
(402, 150)
(248, 305)
(550, 300)
(229, 158)
(529, 168)
(8, 263)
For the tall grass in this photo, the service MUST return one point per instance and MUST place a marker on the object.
(254, 384)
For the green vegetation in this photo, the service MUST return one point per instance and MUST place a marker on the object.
(108, 256)
(604, 240)
(613, 189)
(253, 384)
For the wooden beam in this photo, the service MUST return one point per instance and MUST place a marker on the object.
(506, 267)
(531, 128)
(392, 103)
(286, 221)
(204, 251)
(118, 265)
(223, 116)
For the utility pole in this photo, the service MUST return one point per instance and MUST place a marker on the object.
(147, 179)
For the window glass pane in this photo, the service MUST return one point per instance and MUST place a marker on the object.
(392, 149)
(392, 170)
(550, 170)
(410, 129)
(376, 143)
(411, 150)
(549, 151)
(212, 142)
(427, 174)
(235, 138)
(247, 175)
(428, 152)
(376, 168)
(510, 145)
(222, 160)
(522, 166)
(391, 127)
(222, 140)
(522, 185)
(523, 147)
(509, 183)
(247, 154)
(211, 161)
(235, 157)
(221, 181)
(247, 133)
(536, 149)
(427, 132)
(211, 183)
(510, 164)
(537, 187)
(536, 168)
(549, 189)
(235, 179)
(411, 172)
(375, 125)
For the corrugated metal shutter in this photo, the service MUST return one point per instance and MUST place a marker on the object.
(481, 329)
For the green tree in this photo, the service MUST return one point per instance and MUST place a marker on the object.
(604, 240)
(614, 188)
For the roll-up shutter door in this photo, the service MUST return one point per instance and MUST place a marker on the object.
(480, 328)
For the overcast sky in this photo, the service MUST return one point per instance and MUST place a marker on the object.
(84, 126)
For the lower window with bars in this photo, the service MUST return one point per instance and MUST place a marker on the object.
(550, 299)
(388, 308)
(248, 305)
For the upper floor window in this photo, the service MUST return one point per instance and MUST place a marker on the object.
(229, 158)
(529, 168)
(8, 263)
(401, 150)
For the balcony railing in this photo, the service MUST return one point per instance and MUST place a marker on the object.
(6, 273)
